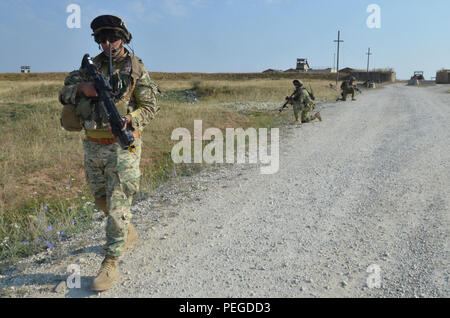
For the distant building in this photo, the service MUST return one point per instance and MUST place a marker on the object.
(322, 70)
(378, 76)
(347, 70)
(443, 77)
(271, 70)
(25, 69)
(302, 65)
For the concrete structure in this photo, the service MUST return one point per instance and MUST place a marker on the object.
(375, 76)
(443, 77)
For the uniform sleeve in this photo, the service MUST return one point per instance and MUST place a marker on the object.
(145, 96)
(68, 94)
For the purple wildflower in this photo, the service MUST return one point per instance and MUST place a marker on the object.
(49, 244)
(50, 228)
(45, 207)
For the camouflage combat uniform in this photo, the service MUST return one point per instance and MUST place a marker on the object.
(303, 105)
(348, 88)
(111, 172)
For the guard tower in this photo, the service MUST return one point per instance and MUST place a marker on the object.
(25, 69)
(302, 65)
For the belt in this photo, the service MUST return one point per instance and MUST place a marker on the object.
(108, 141)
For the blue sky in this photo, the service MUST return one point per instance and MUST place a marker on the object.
(233, 35)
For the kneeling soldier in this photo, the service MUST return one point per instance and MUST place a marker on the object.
(303, 104)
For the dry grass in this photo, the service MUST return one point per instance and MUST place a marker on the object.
(258, 90)
(180, 76)
(41, 166)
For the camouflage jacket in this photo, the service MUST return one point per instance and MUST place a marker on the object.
(135, 93)
(301, 96)
(348, 85)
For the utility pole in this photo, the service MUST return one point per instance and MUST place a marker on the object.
(337, 60)
(368, 59)
(334, 61)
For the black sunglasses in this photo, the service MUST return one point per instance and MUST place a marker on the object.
(110, 37)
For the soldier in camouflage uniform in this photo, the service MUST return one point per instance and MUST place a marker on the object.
(303, 104)
(348, 87)
(112, 173)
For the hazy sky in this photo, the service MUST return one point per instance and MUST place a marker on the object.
(233, 35)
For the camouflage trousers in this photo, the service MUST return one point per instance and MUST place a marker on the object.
(114, 174)
(348, 91)
(304, 112)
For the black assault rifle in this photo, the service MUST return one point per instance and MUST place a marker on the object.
(105, 91)
(288, 101)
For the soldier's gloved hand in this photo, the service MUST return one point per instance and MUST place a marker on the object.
(87, 89)
(128, 122)
(125, 126)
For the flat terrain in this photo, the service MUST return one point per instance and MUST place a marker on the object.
(369, 186)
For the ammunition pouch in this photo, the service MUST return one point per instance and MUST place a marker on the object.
(70, 121)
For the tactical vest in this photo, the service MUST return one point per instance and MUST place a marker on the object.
(124, 79)
(297, 94)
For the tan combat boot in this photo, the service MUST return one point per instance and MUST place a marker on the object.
(317, 115)
(107, 275)
(132, 236)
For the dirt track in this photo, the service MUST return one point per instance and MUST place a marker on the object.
(370, 185)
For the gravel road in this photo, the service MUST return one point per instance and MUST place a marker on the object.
(367, 188)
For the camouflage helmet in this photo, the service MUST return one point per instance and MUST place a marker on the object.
(110, 23)
(297, 83)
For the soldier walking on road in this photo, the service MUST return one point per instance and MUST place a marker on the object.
(112, 173)
(302, 104)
